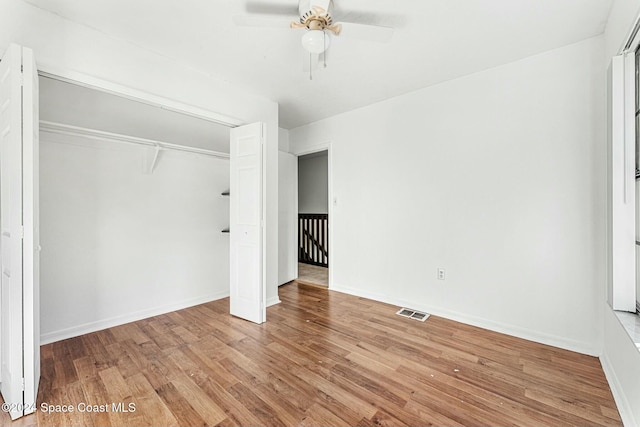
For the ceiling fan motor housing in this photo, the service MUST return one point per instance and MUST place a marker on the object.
(311, 10)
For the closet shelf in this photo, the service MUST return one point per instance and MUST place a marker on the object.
(225, 194)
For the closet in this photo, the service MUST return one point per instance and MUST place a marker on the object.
(131, 209)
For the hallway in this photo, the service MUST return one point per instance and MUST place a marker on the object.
(313, 274)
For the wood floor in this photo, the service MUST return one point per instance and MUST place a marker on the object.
(322, 359)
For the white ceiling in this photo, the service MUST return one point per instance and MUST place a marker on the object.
(434, 41)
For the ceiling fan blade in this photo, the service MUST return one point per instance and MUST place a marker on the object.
(261, 8)
(262, 21)
(372, 33)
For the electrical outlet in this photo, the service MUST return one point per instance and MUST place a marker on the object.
(441, 274)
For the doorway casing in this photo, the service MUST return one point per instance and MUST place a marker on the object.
(332, 200)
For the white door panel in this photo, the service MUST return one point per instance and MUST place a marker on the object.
(11, 220)
(19, 284)
(31, 221)
(249, 200)
(246, 260)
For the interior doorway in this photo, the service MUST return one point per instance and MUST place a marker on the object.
(313, 218)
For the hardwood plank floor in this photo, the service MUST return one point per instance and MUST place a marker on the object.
(322, 359)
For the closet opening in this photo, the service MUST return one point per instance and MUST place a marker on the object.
(131, 209)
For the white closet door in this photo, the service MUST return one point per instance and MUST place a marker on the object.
(31, 223)
(19, 310)
(246, 255)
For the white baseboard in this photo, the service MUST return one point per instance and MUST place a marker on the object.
(527, 334)
(98, 325)
(624, 407)
(273, 301)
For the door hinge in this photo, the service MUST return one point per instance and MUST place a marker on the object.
(22, 232)
(23, 384)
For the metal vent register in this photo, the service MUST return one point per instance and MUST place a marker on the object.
(412, 314)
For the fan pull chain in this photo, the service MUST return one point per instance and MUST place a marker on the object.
(324, 55)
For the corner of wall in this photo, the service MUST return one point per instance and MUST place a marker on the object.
(273, 301)
(624, 408)
(283, 140)
(87, 328)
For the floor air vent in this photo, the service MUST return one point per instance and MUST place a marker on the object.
(413, 314)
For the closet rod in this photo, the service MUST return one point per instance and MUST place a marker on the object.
(59, 128)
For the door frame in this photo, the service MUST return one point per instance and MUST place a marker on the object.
(88, 81)
(331, 202)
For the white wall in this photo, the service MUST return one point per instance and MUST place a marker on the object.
(283, 140)
(637, 236)
(495, 177)
(120, 245)
(287, 217)
(78, 52)
(313, 187)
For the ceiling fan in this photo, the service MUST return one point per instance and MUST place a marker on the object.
(317, 19)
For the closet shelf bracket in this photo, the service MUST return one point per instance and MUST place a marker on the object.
(151, 155)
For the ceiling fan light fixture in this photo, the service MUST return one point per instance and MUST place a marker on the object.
(315, 41)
